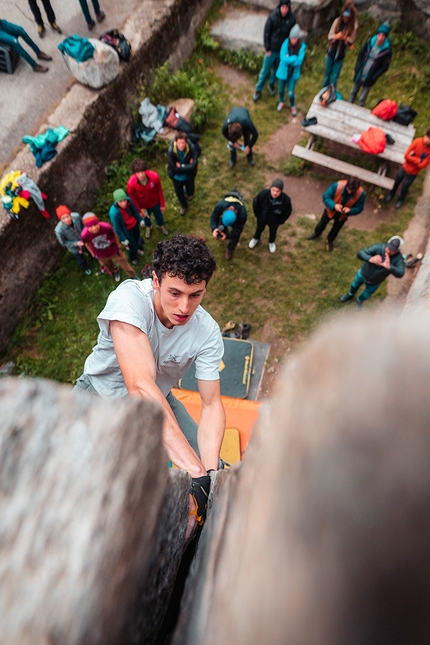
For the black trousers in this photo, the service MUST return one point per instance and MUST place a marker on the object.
(233, 155)
(232, 242)
(36, 11)
(272, 231)
(184, 189)
(337, 225)
(406, 180)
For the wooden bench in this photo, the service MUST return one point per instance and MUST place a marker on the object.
(339, 122)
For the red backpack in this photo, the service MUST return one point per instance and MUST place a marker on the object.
(386, 109)
(373, 141)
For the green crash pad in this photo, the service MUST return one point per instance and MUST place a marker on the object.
(235, 369)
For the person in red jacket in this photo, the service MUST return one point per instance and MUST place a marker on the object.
(417, 157)
(145, 190)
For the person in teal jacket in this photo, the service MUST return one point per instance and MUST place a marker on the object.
(290, 62)
(126, 220)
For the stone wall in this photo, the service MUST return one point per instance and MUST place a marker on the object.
(99, 124)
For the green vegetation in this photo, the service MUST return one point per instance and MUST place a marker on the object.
(282, 295)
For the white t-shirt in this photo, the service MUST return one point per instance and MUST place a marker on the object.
(174, 350)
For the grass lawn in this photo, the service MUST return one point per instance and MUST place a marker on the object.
(284, 295)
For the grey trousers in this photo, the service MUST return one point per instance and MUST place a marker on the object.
(185, 422)
(364, 93)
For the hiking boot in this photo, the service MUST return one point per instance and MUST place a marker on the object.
(346, 297)
(358, 305)
(251, 160)
(253, 243)
(91, 25)
(228, 254)
(164, 230)
(182, 211)
(399, 203)
(281, 106)
(257, 95)
(88, 271)
(272, 247)
(43, 56)
(329, 246)
(56, 28)
(100, 16)
(140, 252)
(312, 236)
(41, 30)
(232, 163)
(135, 262)
(148, 232)
(271, 90)
(388, 197)
(189, 197)
(117, 276)
(294, 111)
(40, 68)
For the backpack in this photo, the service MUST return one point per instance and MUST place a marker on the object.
(118, 41)
(373, 141)
(328, 95)
(386, 109)
(76, 47)
(405, 115)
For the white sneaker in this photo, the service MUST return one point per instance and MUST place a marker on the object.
(253, 243)
(272, 247)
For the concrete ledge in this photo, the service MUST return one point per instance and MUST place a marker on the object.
(99, 124)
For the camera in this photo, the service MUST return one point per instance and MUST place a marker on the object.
(221, 230)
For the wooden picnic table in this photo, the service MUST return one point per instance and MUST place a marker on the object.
(339, 122)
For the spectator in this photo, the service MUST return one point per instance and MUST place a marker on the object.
(182, 168)
(103, 244)
(9, 34)
(341, 37)
(373, 60)
(126, 220)
(380, 261)
(417, 157)
(238, 125)
(272, 207)
(229, 212)
(68, 232)
(145, 190)
(290, 62)
(342, 199)
(100, 15)
(276, 30)
(38, 16)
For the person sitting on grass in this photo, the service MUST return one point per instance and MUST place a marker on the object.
(103, 244)
(182, 168)
(145, 190)
(126, 220)
(9, 34)
(291, 58)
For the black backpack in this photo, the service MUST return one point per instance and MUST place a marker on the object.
(118, 41)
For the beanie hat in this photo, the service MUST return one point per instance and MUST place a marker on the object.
(228, 217)
(90, 219)
(62, 210)
(346, 13)
(295, 31)
(277, 183)
(287, 2)
(119, 194)
(394, 244)
(384, 28)
(428, 133)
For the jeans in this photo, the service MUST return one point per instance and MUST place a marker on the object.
(36, 11)
(9, 34)
(135, 242)
(369, 289)
(406, 180)
(272, 231)
(270, 65)
(290, 82)
(184, 189)
(85, 10)
(119, 259)
(331, 70)
(81, 260)
(354, 91)
(337, 225)
(156, 211)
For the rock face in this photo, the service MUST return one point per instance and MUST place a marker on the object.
(326, 539)
(310, 14)
(241, 30)
(93, 524)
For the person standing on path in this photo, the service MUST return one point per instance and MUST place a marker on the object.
(291, 58)
(100, 15)
(9, 34)
(272, 207)
(276, 30)
(38, 16)
(144, 188)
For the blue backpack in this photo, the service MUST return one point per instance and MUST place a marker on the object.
(77, 47)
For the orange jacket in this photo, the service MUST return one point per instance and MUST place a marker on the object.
(413, 163)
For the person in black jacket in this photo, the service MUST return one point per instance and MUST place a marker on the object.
(228, 219)
(238, 125)
(271, 207)
(182, 168)
(380, 261)
(373, 60)
(276, 30)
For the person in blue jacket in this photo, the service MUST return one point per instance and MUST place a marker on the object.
(126, 220)
(291, 59)
(373, 60)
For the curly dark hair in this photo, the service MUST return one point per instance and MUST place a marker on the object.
(187, 258)
(137, 165)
